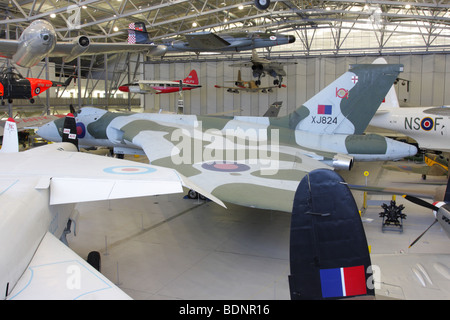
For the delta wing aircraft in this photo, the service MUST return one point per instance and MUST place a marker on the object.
(261, 66)
(255, 161)
(163, 86)
(38, 41)
(216, 42)
(247, 86)
(38, 192)
(430, 127)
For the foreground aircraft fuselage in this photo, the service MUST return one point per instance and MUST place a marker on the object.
(254, 161)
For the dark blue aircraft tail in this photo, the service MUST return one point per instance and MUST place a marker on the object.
(137, 33)
(70, 130)
(329, 256)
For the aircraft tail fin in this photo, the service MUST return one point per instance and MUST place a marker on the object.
(70, 130)
(137, 33)
(192, 78)
(329, 255)
(239, 77)
(347, 105)
(10, 137)
(391, 100)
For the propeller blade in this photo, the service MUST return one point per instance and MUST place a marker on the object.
(435, 220)
(420, 202)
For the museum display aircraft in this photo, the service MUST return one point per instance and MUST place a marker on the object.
(261, 66)
(163, 86)
(255, 161)
(39, 40)
(206, 41)
(15, 86)
(429, 126)
(435, 165)
(247, 86)
(39, 190)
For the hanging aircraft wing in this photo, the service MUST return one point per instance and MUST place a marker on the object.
(206, 41)
(66, 49)
(8, 48)
(147, 88)
(58, 273)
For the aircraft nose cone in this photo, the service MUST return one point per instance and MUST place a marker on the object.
(124, 88)
(49, 132)
(291, 39)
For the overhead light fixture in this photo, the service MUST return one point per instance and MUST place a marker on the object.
(408, 6)
(194, 24)
(116, 29)
(241, 7)
(52, 15)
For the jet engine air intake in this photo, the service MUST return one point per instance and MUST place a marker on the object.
(342, 162)
(81, 45)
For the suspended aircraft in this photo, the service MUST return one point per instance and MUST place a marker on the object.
(255, 161)
(206, 41)
(261, 66)
(39, 190)
(247, 86)
(14, 86)
(39, 40)
(162, 86)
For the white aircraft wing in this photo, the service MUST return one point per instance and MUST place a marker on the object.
(71, 181)
(58, 273)
(147, 88)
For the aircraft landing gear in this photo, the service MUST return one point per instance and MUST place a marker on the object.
(192, 194)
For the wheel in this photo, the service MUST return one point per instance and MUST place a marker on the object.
(94, 260)
(192, 194)
(262, 4)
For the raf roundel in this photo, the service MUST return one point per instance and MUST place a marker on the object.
(225, 166)
(427, 124)
(129, 170)
(81, 130)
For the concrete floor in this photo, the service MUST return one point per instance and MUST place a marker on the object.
(167, 247)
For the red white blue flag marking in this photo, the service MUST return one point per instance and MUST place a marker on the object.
(324, 109)
(343, 282)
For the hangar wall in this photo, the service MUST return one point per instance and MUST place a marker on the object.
(429, 76)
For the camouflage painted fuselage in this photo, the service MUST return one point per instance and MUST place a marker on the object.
(254, 161)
